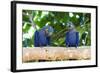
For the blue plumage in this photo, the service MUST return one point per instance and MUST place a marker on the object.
(42, 37)
(36, 39)
(72, 38)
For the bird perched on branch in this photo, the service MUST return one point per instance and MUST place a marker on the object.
(72, 36)
(42, 36)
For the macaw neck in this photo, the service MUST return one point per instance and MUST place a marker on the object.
(72, 30)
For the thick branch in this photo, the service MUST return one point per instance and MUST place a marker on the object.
(56, 53)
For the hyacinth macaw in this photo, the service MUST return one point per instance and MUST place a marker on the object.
(72, 36)
(42, 37)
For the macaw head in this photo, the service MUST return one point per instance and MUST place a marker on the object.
(48, 29)
(70, 26)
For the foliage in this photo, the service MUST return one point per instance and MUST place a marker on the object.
(34, 20)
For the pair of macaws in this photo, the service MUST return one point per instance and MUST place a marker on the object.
(42, 37)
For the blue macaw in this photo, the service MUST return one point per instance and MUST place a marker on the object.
(72, 39)
(42, 37)
(72, 36)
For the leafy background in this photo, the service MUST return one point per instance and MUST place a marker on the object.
(34, 20)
